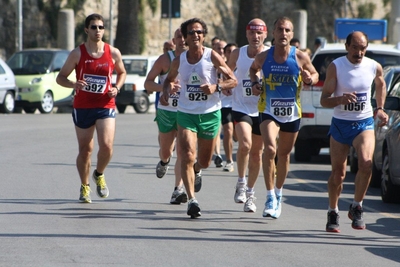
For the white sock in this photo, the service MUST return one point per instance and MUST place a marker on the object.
(278, 191)
(242, 180)
(335, 209)
(271, 193)
(355, 204)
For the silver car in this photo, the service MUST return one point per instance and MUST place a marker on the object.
(8, 89)
(386, 167)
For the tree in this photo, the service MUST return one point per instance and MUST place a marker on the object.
(248, 10)
(127, 36)
(131, 30)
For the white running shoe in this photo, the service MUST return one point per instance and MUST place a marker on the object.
(278, 209)
(178, 196)
(249, 206)
(229, 167)
(193, 208)
(270, 207)
(161, 170)
(197, 181)
(240, 193)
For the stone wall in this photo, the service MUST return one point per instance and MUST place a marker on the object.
(220, 16)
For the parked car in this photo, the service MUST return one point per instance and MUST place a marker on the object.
(385, 165)
(316, 120)
(133, 92)
(8, 89)
(35, 73)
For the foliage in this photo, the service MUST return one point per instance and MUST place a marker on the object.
(303, 4)
(153, 5)
(366, 10)
(76, 5)
(142, 27)
(50, 10)
(247, 11)
(385, 2)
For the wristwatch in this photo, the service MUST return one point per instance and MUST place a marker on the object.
(117, 88)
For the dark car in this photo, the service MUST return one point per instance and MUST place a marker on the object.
(386, 167)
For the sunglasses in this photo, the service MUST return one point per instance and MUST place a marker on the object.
(95, 27)
(192, 32)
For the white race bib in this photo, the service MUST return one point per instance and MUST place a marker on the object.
(95, 83)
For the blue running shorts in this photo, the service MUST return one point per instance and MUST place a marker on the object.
(86, 117)
(345, 131)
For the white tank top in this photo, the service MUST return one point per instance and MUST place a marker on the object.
(226, 100)
(354, 78)
(192, 100)
(173, 98)
(243, 100)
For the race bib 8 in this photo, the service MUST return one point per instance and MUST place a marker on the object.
(173, 99)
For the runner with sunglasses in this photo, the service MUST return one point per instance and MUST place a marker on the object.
(199, 115)
(94, 102)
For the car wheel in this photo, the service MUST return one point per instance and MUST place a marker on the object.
(8, 104)
(47, 103)
(388, 189)
(121, 108)
(143, 105)
(29, 110)
(376, 176)
(302, 151)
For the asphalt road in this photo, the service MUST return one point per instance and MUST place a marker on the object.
(43, 224)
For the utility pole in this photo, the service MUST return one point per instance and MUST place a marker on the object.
(170, 9)
(111, 41)
(18, 31)
(170, 18)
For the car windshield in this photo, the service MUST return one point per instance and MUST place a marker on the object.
(30, 62)
(135, 66)
(321, 61)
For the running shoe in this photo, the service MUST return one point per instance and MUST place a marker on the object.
(178, 196)
(278, 209)
(161, 170)
(333, 222)
(218, 161)
(249, 206)
(229, 167)
(193, 208)
(197, 181)
(240, 193)
(356, 215)
(84, 196)
(270, 207)
(102, 189)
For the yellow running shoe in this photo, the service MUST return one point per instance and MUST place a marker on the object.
(85, 194)
(102, 189)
